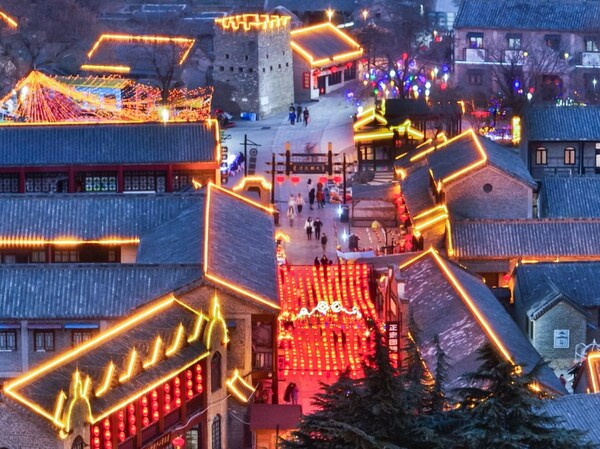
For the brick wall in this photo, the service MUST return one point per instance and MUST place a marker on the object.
(257, 65)
(508, 197)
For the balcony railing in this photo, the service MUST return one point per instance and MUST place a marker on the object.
(590, 58)
(475, 54)
(514, 56)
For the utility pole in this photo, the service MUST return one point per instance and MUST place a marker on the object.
(273, 170)
(245, 144)
(344, 176)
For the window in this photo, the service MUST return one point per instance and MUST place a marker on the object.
(46, 182)
(475, 77)
(9, 183)
(287, 64)
(78, 443)
(569, 156)
(250, 70)
(271, 68)
(183, 179)
(148, 181)
(38, 256)
(80, 335)
(487, 188)
(541, 156)
(222, 69)
(552, 41)
(8, 341)
(514, 41)
(192, 438)
(43, 341)
(530, 326)
(264, 70)
(335, 78)
(597, 158)
(591, 43)
(216, 432)
(350, 72)
(231, 69)
(66, 255)
(241, 69)
(561, 339)
(96, 182)
(475, 40)
(246, 57)
(226, 56)
(215, 372)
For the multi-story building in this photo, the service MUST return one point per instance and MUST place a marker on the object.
(550, 50)
(253, 59)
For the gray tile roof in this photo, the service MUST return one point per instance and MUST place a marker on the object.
(463, 152)
(570, 197)
(580, 281)
(415, 189)
(91, 291)
(551, 15)
(578, 411)
(528, 238)
(89, 216)
(574, 123)
(241, 247)
(323, 43)
(107, 144)
(163, 245)
(43, 390)
(439, 309)
(21, 429)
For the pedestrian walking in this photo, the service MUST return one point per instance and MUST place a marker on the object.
(317, 225)
(311, 198)
(308, 226)
(299, 203)
(299, 113)
(320, 198)
(291, 214)
(317, 263)
(292, 203)
(563, 381)
(324, 243)
(292, 117)
(305, 114)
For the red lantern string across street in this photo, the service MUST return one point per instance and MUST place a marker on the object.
(279, 178)
(323, 179)
(337, 179)
(295, 179)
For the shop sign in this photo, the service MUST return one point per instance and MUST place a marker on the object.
(306, 80)
(160, 443)
(392, 336)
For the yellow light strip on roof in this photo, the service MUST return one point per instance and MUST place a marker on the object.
(593, 358)
(133, 356)
(197, 328)
(280, 235)
(249, 179)
(325, 61)
(158, 344)
(449, 239)
(425, 152)
(431, 211)
(341, 57)
(420, 227)
(472, 307)
(177, 341)
(236, 392)
(60, 405)
(9, 20)
(108, 376)
(249, 22)
(4, 242)
(106, 68)
(145, 39)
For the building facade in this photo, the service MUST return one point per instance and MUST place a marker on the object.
(253, 58)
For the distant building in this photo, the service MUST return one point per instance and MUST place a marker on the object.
(561, 141)
(253, 62)
(550, 47)
(325, 58)
(569, 197)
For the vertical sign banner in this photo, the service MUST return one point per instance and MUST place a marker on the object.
(306, 80)
(393, 337)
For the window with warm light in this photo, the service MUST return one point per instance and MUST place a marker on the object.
(592, 43)
(569, 156)
(541, 156)
(8, 341)
(514, 41)
(475, 40)
(81, 335)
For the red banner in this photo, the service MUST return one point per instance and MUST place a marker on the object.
(306, 80)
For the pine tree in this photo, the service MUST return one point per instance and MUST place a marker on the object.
(500, 410)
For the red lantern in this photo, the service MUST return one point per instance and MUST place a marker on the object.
(188, 374)
(121, 436)
(154, 395)
(132, 429)
(106, 424)
(334, 69)
(337, 179)
(295, 179)
(96, 431)
(279, 178)
(323, 179)
(155, 415)
(121, 426)
(145, 421)
(96, 442)
(178, 441)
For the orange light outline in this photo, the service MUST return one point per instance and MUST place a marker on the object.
(358, 51)
(591, 359)
(373, 115)
(9, 20)
(197, 328)
(425, 152)
(449, 239)
(263, 182)
(217, 279)
(236, 392)
(67, 242)
(177, 341)
(108, 375)
(248, 22)
(105, 68)
(133, 356)
(145, 39)
(158, 343)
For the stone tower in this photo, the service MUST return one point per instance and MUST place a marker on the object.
(253, 57)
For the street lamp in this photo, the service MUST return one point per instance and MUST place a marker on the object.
(594, 81)
(365, 13)
(329, 13)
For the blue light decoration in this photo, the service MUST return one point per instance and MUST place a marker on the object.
(445, 68)
(517, 84)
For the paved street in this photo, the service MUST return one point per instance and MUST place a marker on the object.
(330, 121)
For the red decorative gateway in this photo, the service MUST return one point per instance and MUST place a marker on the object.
(150, 415)
(323, 322)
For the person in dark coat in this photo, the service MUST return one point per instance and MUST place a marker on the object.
(311, 198)
(317, 224)
(306, 115)
(299, 113)
(317, 263)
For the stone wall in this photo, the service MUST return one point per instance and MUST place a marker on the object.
(257, 66)
(470, 196)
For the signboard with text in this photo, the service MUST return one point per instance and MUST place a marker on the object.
(306, 80)
(393, 337)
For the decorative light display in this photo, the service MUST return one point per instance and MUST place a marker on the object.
(248, 22)
(41, 99)
(12, 23)
(353, 50)
(322, 325)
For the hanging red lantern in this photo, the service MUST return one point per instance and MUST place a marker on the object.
(323, 179)
(317, 72)
(279, 178)
(334, 69)
(295, 179)
(337, 179)
(178, 441)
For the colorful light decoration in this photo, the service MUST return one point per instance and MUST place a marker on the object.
(322, 326)
(248, 22)
(354, 49)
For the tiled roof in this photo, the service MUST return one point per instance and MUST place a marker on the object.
(552, 15)
(43, 384)
(574, 123)
(580, 281)
(20, 429)
(89, 216)
(577, 411)
(323, 42)
(527, 238)
(415, 189)
(91, 291)
(570, 197)
(385, 192)
(241, 245)
(107, 144)
(439, 308)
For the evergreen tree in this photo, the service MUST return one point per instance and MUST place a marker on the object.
(438, 397)
(500, 410)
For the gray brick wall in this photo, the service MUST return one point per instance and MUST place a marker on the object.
(507, 199)
(257, 65)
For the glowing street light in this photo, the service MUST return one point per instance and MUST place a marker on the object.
(365, 14)
(594, 82)
(329, 13)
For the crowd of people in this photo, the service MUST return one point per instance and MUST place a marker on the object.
(299, 115)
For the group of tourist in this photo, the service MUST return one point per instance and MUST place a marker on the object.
(297, 114)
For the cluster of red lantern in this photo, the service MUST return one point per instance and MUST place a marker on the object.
(330, 341)
(296, 179)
